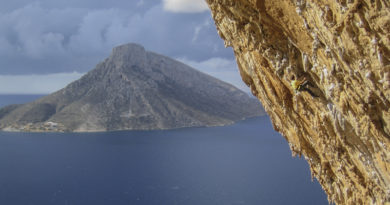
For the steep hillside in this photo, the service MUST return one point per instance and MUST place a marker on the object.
(342, 47)
(134, 89)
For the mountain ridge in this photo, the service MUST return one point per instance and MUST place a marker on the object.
(134, 89)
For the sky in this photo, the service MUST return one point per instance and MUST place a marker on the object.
(46, 44)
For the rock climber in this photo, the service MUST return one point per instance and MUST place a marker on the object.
(302, 85)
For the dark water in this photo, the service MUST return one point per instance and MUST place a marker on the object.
(246, 163)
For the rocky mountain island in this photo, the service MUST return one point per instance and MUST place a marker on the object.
(134, 89)
(343, 49)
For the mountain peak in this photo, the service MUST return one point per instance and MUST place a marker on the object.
(128, 48)
(130, 52)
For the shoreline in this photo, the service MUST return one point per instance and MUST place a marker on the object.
(16, 130)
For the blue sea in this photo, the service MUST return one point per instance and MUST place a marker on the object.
(245, 163)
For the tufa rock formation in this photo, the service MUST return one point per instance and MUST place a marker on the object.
(343, 48)
(134, 90)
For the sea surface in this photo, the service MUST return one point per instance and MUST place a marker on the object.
(245, 163)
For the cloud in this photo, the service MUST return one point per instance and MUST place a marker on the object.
(36, 84)
(185, 6)
(37, 38)
(221, 68)
(130, 5)
(101, 30)
(34, 39)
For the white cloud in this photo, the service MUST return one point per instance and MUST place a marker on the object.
(35, 32)
(185, 6)
(36, 84)
(221, 68)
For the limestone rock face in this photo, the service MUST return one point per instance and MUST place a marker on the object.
(134, 89)
(343, 48)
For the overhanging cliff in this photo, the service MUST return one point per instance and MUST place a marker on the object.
(343, 48)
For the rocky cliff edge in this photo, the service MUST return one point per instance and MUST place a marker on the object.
(342, 47)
